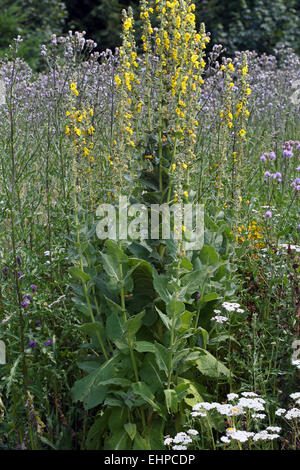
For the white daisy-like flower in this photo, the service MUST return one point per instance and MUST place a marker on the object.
(194, 414)
(192, 432)
(168, 441)
(179, 448)
(182, 437)
(241, 436)
(225, 439)
(225, 410)
(273, 429)
(251, 403)
(258, 415)
(232, 396)
(205, 405)
(294, 396)
(220, 319)
(293, 413)
(236, 411)
(265, 436)
(217, 311)
(280, 412)
(228, 306)
(230, 430)
(249, 394)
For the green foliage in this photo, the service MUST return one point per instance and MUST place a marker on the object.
(259, 25)
(35, 21)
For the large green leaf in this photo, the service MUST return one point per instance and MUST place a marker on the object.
(162, 356)
(91, 390)
(77, 273)
(208, 365)
(142, 390)
(133, 325)
(171, 400)
(161, 282)
(130, 428)
(209, 256)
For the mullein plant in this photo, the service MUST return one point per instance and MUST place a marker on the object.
(143, 300)
(156, 123)
(233, 120)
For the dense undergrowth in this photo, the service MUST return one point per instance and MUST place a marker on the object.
(136, 343)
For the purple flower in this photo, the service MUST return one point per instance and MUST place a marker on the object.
(38, 323)
(272, 155)
(267, 173)
(298, 168)
(48, 342)
(33, 287)
(287, 153)
(5, 270)
(268, 214)
(25, 304)
(32, 344)
(19, 260)
(263, 158)
(197, 296)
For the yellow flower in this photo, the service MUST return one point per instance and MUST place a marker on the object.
(117, 81)
(127, 24)
(242, 132)
(139, 106)
(248, 91)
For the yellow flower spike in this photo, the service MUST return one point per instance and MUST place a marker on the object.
(118, 81)
(186, 194)
(127, 24)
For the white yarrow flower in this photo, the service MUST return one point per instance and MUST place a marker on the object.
(192, 432)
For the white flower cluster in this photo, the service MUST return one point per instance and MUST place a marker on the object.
(232, 307)
(244, 436)
(229, 307)
(181, 440)
(293, 413)
(219, 318)
(248, 401)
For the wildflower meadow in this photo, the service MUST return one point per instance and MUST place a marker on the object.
(149, 242)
